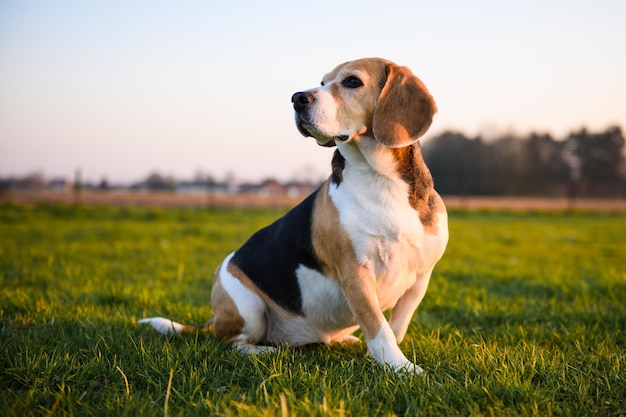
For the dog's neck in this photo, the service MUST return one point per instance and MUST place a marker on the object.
(405, 163)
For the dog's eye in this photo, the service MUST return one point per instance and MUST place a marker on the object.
(322, 83)
(352, 82)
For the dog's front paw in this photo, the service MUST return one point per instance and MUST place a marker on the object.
(409, 367)
(400, 364)
(387, 353)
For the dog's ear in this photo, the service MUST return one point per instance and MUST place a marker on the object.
(405, 109)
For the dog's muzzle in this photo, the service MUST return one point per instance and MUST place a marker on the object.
(302, 102)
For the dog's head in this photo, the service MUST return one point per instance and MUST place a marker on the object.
(369, 97)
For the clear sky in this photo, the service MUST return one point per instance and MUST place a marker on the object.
(122, 88)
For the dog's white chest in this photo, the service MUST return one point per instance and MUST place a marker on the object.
(386, 233)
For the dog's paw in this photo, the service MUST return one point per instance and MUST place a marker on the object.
(403, 368)
(409, 367)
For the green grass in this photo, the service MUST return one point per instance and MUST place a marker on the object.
(525, 315)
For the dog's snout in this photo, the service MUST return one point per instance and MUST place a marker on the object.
(301, 100)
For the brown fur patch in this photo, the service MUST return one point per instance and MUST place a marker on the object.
(422, 195)
(334, 90)
(227, 323)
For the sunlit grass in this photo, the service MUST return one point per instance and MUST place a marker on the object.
(524, 316)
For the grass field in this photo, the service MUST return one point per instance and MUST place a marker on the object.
(525, 315)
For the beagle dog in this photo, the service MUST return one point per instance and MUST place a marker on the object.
(365, 242)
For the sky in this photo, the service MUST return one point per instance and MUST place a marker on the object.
(121, 89)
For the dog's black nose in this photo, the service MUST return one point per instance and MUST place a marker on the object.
(301, 100)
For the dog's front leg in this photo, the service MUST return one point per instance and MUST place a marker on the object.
(381, 341)
(407, 304)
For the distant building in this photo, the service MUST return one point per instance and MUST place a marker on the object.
(202, 187)
(60, 185)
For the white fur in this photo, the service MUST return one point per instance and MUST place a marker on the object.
(324, 119)
(251, 307)
(326, 319)
(163, 325)
(385, 230)
(384, 349)
(323, 300)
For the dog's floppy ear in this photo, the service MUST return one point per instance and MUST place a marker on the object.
(405, 109)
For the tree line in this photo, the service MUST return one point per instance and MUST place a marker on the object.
(584, 164)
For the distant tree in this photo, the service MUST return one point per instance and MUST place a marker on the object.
(597, 160)
(549, 172)
(157, 182)
(456, 163)
(594, 164)
(510, 167)
(104, 184)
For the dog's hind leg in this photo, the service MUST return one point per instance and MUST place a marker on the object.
(240, 315)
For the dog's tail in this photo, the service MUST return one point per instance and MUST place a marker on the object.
(167, 326)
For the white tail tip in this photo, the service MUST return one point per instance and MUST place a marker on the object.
(163, 325)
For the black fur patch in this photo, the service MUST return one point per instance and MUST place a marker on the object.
(338, 164)
(271, 256)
